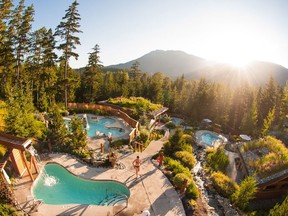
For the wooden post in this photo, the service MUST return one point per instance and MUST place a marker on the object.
(26, 164)
(35, 164)
(102, 148)
(184, 185)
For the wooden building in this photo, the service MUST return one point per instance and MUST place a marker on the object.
(272, 185)
(17, 148)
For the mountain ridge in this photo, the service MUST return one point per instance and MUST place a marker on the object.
(175, 63)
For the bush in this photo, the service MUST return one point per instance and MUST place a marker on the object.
(223, 184)
(245, 192)
(179, 179)
(144, 135)
(119, 143)
(217, 160)
(7, 210)
(186, 158)
(170, 125)
(192, 191)
(279, 210)
(176, 167)
(177, 142)
(187, 138)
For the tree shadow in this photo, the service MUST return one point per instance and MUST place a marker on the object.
(74, 210)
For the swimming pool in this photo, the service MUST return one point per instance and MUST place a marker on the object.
(176, 121)
(99, 125)
(207, 138)
(70, 189)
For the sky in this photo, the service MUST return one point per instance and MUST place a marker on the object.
(229, 31)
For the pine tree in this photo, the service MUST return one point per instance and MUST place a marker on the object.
(135, 71)
(92, 76)
(67, 30)
(41, 66)
(20, 26)
(267, 99)
(6, 52)
(57, 131)
(284, 105)
(78, 136)
(21, 119)
(268, 122)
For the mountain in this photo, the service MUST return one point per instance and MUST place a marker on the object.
(177, 63)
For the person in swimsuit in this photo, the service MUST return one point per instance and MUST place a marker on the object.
(136, 164)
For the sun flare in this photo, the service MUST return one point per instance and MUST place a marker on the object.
(232, 39)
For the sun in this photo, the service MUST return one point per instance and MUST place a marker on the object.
(230, 40)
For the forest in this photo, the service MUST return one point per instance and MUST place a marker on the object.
(35, 75)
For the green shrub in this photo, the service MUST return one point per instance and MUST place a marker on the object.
(280, 210)
(186, 158)
(177, 142)
(217, 160)
(179, 179)
(189, 131)
(176, 167)
(7, 210)
(144, 135)
(245, 192)
(192, 191)
(187, 138)
(119, 143)
(135, 103)
(166, 119)
(170, 125)
(223, 184)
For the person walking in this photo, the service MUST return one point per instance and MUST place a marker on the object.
(136, 165)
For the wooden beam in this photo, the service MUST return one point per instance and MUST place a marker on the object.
(26, 164)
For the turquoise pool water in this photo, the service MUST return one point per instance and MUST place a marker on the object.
(70, 189)
(209, 138)
(101, 125)
(177, 121)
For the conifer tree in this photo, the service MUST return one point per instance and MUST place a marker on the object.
(284, 104)
(21, 119)
(67, 30)
(267, 99)
(92, 76)
(41, 66)
(6, 52)
(57, 131)
(78, 141)
(20, 27)
(268, 122)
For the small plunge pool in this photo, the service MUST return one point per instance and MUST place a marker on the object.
(208, 138)
(56, 185)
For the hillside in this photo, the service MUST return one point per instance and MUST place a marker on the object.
(177, 63)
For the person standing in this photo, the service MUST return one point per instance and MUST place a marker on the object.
(136, 164)
(145, 213)
(160, 158)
